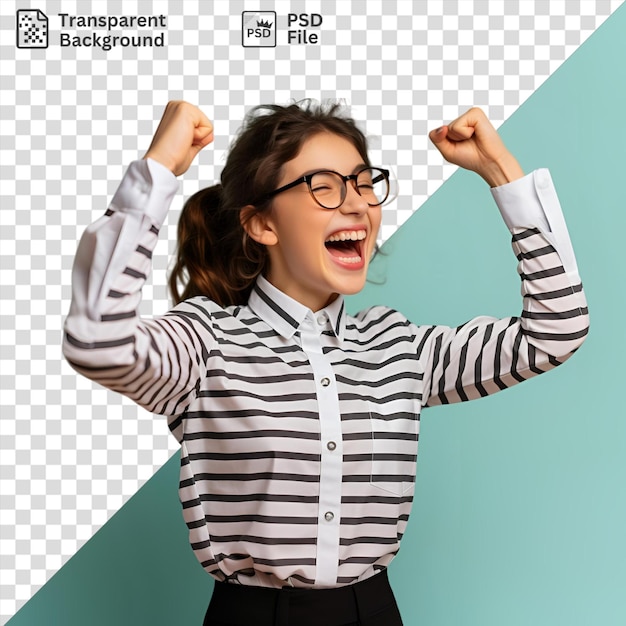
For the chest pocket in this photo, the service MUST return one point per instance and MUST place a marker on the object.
(394, 450)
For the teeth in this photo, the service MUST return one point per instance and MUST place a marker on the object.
(345, 235)
(350, 259)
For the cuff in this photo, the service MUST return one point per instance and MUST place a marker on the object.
(522, 202)
(532, 201)
(147, 187)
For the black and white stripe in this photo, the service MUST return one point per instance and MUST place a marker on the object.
(250, 393)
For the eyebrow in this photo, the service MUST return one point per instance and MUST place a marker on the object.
(358, 167)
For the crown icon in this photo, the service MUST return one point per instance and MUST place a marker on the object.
(262, 24)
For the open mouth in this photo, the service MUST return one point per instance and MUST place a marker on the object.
(346, 246)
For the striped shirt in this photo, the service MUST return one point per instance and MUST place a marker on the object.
(299, 429)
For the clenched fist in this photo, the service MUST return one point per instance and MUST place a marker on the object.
(183, 131)
(471, 142)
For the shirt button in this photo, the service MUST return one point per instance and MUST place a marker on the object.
(325, 382)
(331, 445)
(322, 318)
(329, 516)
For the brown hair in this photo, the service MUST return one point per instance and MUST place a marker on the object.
(215, 257)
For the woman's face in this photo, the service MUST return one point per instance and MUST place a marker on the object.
(303, 263)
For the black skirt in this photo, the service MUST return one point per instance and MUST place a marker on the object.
(367, 603)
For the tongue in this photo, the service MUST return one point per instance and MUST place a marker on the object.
(342, 248)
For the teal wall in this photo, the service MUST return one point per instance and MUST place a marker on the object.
(520, 512)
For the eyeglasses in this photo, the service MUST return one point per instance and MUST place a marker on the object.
(329, 188)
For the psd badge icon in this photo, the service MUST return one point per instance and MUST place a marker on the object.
(258, 29)
(31, 29)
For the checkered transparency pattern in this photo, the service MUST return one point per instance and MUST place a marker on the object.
(73, 118)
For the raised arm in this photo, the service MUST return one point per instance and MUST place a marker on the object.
(486, 355)
(155, 362)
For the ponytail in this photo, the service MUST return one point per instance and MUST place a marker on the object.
(215, 257)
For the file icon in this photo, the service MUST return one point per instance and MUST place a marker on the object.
(32, 29)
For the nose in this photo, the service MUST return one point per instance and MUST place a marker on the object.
(354, 202)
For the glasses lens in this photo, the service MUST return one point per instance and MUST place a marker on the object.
(373, 186)
(328, 189)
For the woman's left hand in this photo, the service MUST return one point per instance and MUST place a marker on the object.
(471, 142)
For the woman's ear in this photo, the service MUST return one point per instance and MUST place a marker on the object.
(258, 226)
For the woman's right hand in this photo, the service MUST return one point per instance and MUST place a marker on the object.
(183, 131)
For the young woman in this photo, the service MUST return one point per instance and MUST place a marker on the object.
(298, 422)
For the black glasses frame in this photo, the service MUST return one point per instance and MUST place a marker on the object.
(350, 177)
